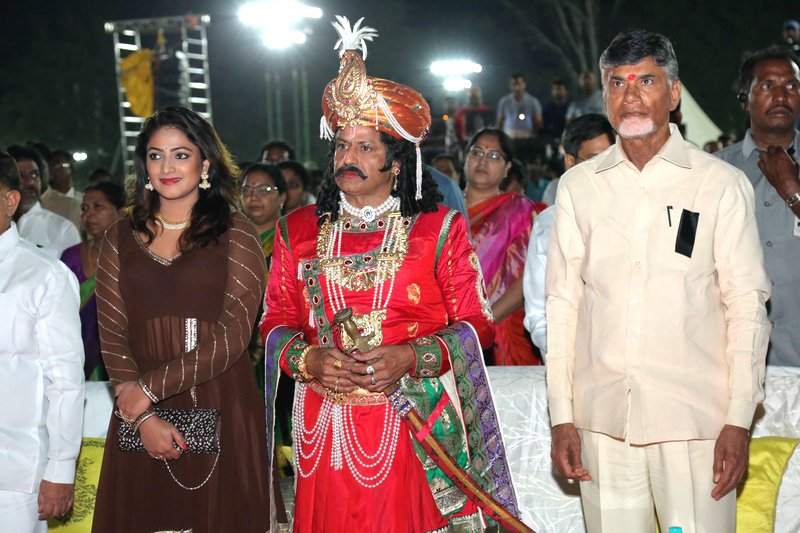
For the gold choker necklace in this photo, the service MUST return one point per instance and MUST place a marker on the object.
(168, 224)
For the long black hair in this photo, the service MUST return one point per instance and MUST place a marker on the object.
(396, 150)
(212, 214)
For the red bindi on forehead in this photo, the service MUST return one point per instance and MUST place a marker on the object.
(631, 77)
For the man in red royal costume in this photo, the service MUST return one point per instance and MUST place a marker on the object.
(379, 247)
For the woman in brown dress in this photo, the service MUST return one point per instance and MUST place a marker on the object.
(179, 281)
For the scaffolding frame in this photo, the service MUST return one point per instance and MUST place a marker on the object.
(195, 85)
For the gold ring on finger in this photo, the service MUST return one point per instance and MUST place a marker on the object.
(337, 364)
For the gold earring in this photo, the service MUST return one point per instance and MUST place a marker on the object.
(148, 185)
(204, 183)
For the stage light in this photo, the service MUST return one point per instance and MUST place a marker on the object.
(79, 156)
(455, 67)
(276, 13)
(280, 38)
(455, 84)
(279, 21)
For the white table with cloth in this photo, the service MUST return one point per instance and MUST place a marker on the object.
(547, 501)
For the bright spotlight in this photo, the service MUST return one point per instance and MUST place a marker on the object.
(310, 12)
(79, 156)
(278, 39)
(455, 67)
(454, 84)
(278, 13)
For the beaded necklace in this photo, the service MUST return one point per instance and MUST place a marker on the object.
(368, 213)
(355, 272)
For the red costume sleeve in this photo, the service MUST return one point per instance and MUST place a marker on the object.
(461, 282)
(284, 320)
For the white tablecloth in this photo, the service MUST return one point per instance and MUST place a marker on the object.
(548, 503)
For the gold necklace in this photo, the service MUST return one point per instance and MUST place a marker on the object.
(168, 224)
(361, 272)
(344, 272)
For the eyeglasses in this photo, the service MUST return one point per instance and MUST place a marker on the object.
(491, 155)
(261, 190)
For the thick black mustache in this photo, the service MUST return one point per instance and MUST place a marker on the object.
(350, 168)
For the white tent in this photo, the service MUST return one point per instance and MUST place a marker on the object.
(699, 128)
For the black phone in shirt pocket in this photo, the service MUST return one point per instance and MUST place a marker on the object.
(687, 231)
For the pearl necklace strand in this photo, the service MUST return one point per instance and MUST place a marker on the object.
(346, 448)
(389, 245)
(368, 469)
(368, 213)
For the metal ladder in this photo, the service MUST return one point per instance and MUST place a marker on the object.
(195, 87)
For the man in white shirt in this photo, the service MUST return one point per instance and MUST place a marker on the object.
(519, 113)
(41, 374)
(583, 138)
(43, 228)
(657, 327)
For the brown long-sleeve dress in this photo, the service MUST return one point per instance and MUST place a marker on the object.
(143, 305)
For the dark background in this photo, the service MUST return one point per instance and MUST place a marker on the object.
(57, 77)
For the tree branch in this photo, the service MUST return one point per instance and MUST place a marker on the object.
(592, 31)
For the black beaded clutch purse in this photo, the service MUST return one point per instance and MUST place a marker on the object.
(200, 428)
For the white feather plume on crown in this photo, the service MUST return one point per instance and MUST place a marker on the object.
(354, 38)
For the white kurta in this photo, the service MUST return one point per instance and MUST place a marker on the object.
(47, 230)
(41, 367)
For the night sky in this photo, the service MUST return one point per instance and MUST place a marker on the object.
(57, 81)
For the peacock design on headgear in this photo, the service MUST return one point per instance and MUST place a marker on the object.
(353, 98)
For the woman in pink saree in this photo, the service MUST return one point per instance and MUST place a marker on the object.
(501, 225)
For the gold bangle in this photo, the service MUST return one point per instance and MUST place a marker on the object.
(142, 417)
(301, 363)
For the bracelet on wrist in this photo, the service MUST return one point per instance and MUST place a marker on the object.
(124, 418)
(147, 391)
(792, 200)
(134, 423)
(301, 363)
(142, 417)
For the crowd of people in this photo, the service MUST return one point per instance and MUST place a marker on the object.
(349, 304)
